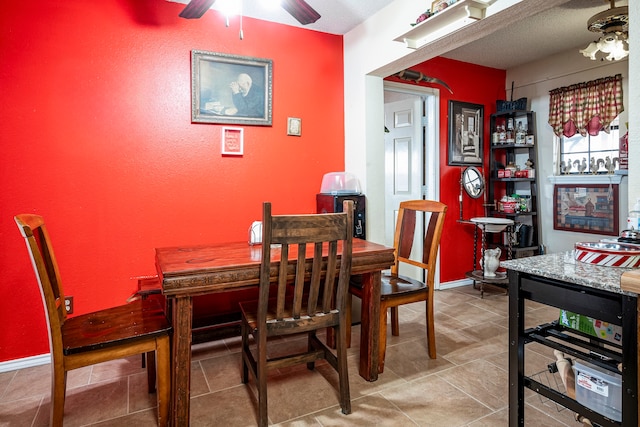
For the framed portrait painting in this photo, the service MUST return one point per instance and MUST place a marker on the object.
(465, 134)
(230, 89)
(591, 208)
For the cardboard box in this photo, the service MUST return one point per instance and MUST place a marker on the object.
(593, 327)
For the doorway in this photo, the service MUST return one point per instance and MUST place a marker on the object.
(411, 154)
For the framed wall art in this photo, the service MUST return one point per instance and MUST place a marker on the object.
(232, 141)
(294, 126)
(465, 134)
(586, 208)
(230, 89)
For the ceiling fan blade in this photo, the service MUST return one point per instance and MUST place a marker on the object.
(196, 8)
(301, 10)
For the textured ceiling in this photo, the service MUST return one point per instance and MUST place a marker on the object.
(338, 16)
(556, 30)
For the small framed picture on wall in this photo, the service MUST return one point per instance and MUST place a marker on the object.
(232, 141)
(294, 126)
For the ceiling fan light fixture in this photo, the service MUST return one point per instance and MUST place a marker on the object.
(301, 10)
(614, 26)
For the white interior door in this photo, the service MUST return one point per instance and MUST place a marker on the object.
(410, 151)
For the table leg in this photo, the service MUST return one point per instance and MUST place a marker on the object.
(516, 351)
(181, 361)
(370, 326)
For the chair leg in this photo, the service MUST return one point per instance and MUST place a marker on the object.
(431, 333)
(343, 371)
(349, 318)
(151, 371)
(163, 365)
(263, 419)
(310, 337)
(58, 391)
(382, 338)
(245, 349)
(395, 327)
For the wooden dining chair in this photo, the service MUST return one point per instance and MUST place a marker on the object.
(398, 289)
(318, 300)
(136, 328)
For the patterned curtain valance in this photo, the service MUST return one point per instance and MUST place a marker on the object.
(585, 107)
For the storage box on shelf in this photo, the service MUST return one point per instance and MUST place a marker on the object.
(512, 181)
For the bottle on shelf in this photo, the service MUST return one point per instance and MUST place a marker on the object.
(633, 220)
(521, 134)
(510, 137)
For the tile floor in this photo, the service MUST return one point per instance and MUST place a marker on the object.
(467, 385)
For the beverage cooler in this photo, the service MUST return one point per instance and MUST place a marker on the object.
(336, 188)
(329, 203)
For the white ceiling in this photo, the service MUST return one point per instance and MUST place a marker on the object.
(337, 16)
(557, 30)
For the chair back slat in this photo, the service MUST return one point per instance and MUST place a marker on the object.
(330, 277)
(316, 277)
(433, 214)
(329, 238)
(407, 223)
(282, 282)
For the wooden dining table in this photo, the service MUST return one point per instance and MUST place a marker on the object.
(189, 271)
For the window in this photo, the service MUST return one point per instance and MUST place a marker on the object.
(591, 154)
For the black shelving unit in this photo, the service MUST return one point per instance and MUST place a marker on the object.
(520, 151)
(615, 308)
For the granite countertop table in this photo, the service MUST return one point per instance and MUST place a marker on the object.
(563, 266)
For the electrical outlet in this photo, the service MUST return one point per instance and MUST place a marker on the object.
(68, 304)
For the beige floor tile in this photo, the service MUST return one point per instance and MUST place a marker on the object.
(410, 360)
(465, 386)
(116, 369)
(92, 403)
(479, 350)
(146, 417)
(5, 380)
(494, 303)
(455, 297)
(300, 393)
(233, 407)
(20, 412)
(495, 419)
(471, 314)
(139, 397)
(482, 381)
(222, 372)
(368, 411)
(486, 331)
(432, 401)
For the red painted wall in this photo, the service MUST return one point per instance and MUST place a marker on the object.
(477, 85)
(97, 137)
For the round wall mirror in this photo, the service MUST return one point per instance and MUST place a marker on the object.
(473, 182)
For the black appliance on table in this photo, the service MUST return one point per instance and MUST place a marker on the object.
(332, 203)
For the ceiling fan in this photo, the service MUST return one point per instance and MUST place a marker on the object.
(299, 9)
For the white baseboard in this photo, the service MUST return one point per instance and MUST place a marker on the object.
(26, 362)
(455, 284)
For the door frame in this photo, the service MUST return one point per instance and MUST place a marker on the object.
(430, 173)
